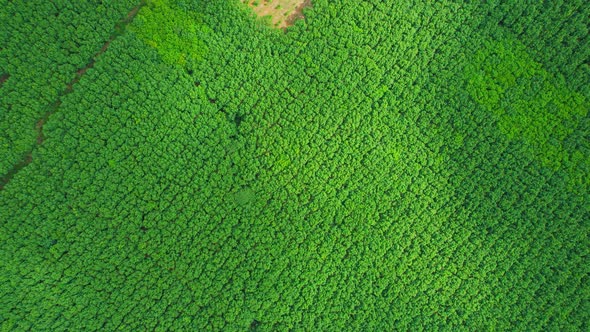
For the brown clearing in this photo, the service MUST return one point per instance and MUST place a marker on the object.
(3, 78)
(283, 13)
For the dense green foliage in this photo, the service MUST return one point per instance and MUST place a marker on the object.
(42, 45)
(380, 166)
(176, 33)
(530, 106)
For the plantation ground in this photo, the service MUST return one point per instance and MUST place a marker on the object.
(378, 166)
(283, 13)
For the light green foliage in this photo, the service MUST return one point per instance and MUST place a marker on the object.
(245, 196)
(174, 31)
(529, 104)
(378, 166)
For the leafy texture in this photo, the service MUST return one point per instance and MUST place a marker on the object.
(530, 105)
(171, 29)
(378, 166)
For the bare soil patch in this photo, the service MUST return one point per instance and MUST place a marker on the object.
(3, 78)
(283, 13)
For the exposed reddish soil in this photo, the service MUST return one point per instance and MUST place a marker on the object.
(298, 13)
(3, 79)
(283, 13)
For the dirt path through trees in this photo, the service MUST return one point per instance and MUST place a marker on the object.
(3, 79)
(52, 108)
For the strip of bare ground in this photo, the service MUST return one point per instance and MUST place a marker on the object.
(51, 109)
(3, 78)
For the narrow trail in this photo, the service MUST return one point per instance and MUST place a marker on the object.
(3, 79)
(52, 108)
